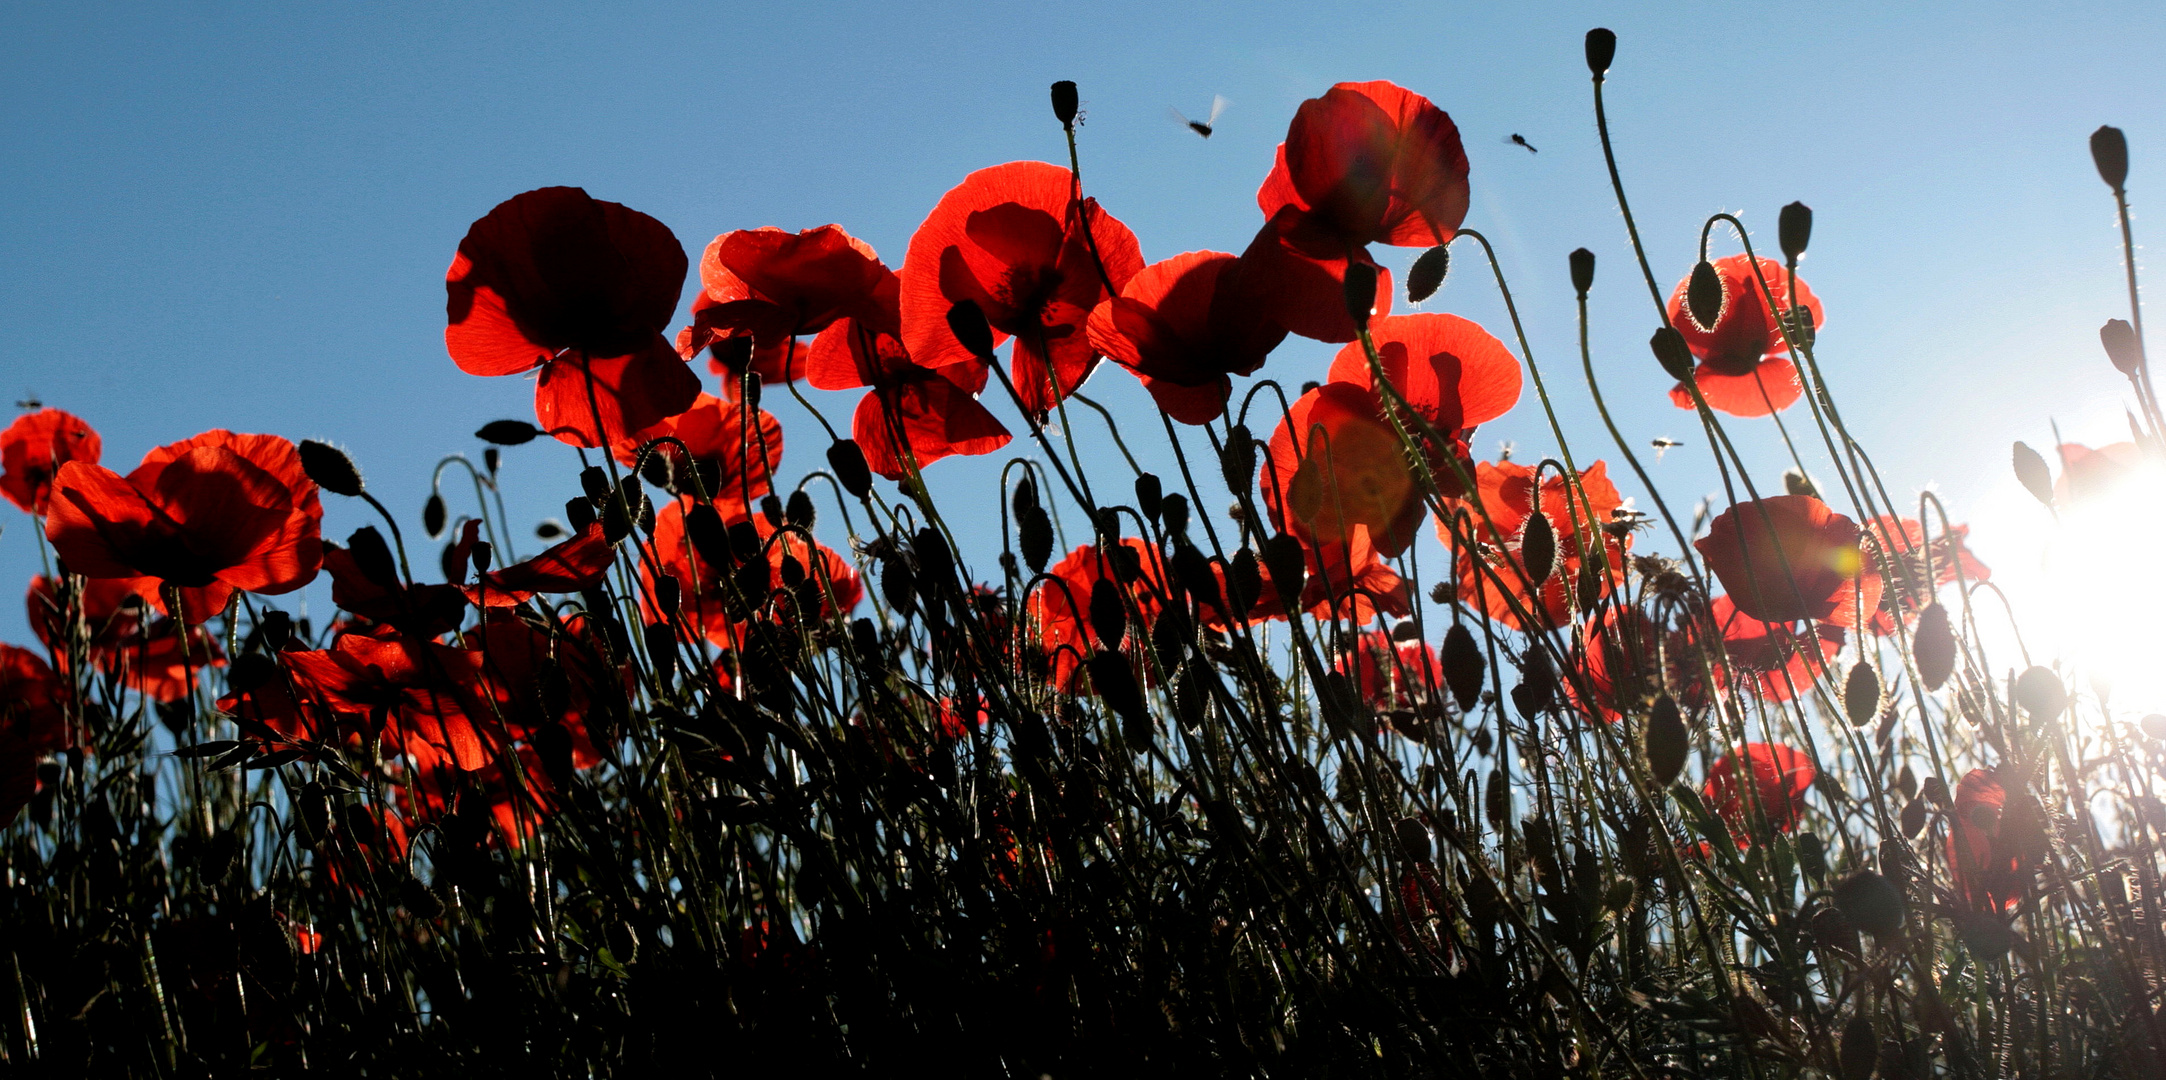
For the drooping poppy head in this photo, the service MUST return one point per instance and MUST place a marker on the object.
(772, 285)
(1760, 778)
(1492, 573)
(1777, 661)
(1789, 557)
(1899, 542)
(1294, 274)
(1374, 162)
(1744, 369)
(1336, 464)
(1059, 608)
(1013, 240)
(1451, 371)
(1995, 844)
(34, 447)
(1392, 673)
(735, 463)
(1183, 335)
(206, 516)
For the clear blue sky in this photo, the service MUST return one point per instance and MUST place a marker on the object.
(238, 215)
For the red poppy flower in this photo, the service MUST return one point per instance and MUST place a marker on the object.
(2094, 474)
(1994, 849)
(1780, 778)
(206, 516)
(568, 566)
(1060, 608)
(1505, 490)
(1346, 580)
(933, 412)
(1180, 331)
(1295, 271)
(1373, 162)
(34, 447)
(737, 467)
(431, 694)
(1618, 663)
(1337, 465)
(1451, 371)
(1393, 674)
(1777, 661)
(33, 722)
(772, 286)
(581, 289)
(1807, 567)
(1908, 591)
(1744, 368)
(420, 611)
(1013, 239)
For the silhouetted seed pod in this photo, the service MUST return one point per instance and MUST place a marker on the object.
(1244, 581)
(594, 482)
(800, 511)
(655, 468)
(1932, 645)
(662, 651)
(1064, 103)
(2040, 693)
(480, 556)
(1169, 638)
(1861, 694)
(865, 638)
(1665, 742)
(966, 320)
(1794, 230)
(276, 628)
(432, 516)
(1238, 462)
(1906, 783)
(1704, 295)
(579, 513)
(1860, 1050)
(617, 519)
(1195, 573)
(848, 461)
(646, 514)
(1360, 286)
(1034, 533)
(1538, 548)
(1582, 271)
(1443, 592)
(1127, 564)
(1427, 274)
(703, 524)
(1464, 667)
(1871, 902)
(2122, 348)
(1913, 820)
(1538, 677)
(1601, 49)
(330, 468)
(554, 745)
(1812, 856)
(373, 556)
(2109, 151)
(2031, 469)
(1672, 353)
(507, 433)
(936, 565)
(1116, 686)
(744, 541)
(1497, 802)
(666, 593)
(897, 584)
(792, 572)
(771, 509)
(1414, 837)
(1148, 495)
(1173, 511)
(754, 581)
(1108, 621)
(1288, 567)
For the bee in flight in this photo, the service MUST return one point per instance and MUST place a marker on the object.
(1663, 445)
(1201, 127)
(1516, 139)
(30, 404)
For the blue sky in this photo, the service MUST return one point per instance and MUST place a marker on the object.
(238, 215)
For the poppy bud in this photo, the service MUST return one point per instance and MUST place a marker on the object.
(432, 516)
(489, 458)
(1665, 742)
(848, 461)
(1463, 666)
(1427, 275)
(1538, 679)
(897, 584)
(1174, 510)
(1288, 566)
(1582, 271)
(1538, 548)
(1497, 802)
(507, 433)
(1871, 902)
(966, 320)
(481, 555)
(1238, 460)
(1812, 856)
(1672, 353)
(656, 469)
(1601, 49)
(276, 628)
(594, 482)
(1148, 495)
(935, 562)
(1064, 103)
(1913, 818)
(1360, 287)
(1169, 638)
(1034, 532)
(2109, 151)
(1860, 1050)
(792, 572)
(1108, 621)
(373, 556)
(2031, 469)
(1794, 229)
(579, 513)
(771, 509)
(744, 541)
(1116, 685)
(1244, 581)
(1414, 838)
(754, 580)
(2040, 693)
(709, 537)
(330, 468)
(1932, 645)
(1861, 694)
(1704, 295)
(800, 511)
(666, 593)
(554, 745)
(2122, 348)
(865, 638)
(453, 563)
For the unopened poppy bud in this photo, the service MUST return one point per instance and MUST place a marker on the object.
(489, 459)
(1360, 285)
(432, 515)
(2031, 469)
(1538, 548)
(667, 593)
(1427, 275)
(656, 469)
(771, 509)
(799, 511)
(507, 432)
(936, 564)
(848, 461)
(2122, 348)
(481, 556)
(579, 513)
(1149, 495)
(330, 468)
(594, 482)
(1238, 461)
(1704, 295)
(2109, 151)
(1582, 271)
(1861, 694)
(2041, 694)
(1288, 566)
(1463, 666)
(1672, 353)
(1601, 49)
(966, 320)
(1174, 509)
(709, 538)
(1794, 229)
(1064, 103)
(1108, 620)
(1665, 742)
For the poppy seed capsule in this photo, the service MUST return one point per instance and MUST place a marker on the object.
(1601, 49)
(1582, 271)
(1672, 353)
(1794, 229)
(2122, 348)
(2109, 151)
(1427, 275)
(330, 468)
(1064, 103)
(1360, 285)
(966, 320)
(848, 461)
(1149, 495)
(1704, 296)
